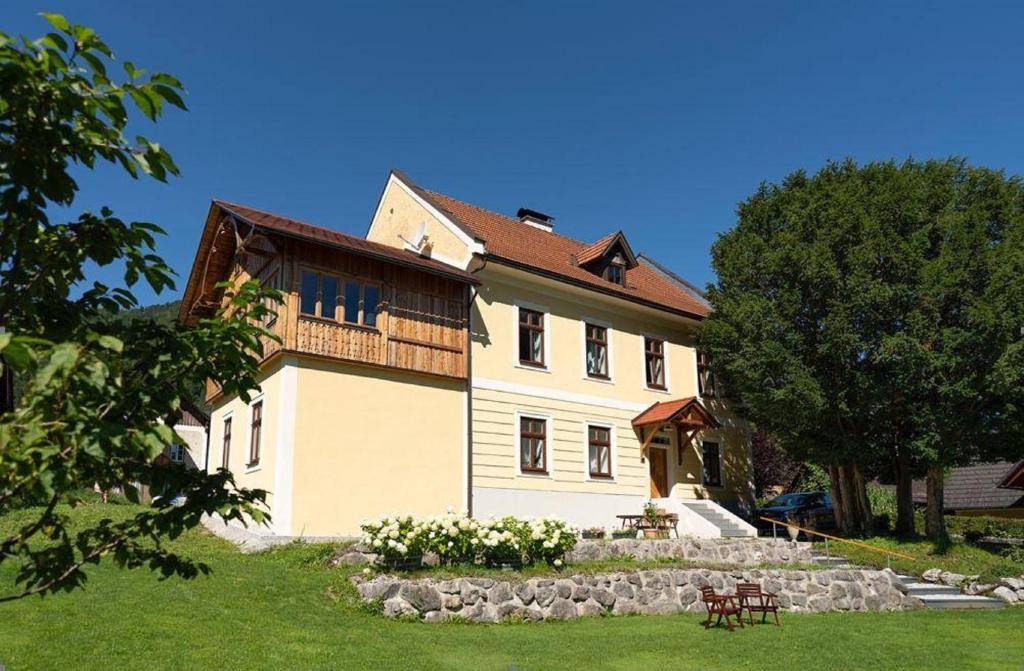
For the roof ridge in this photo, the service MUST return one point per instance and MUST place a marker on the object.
(511, 220)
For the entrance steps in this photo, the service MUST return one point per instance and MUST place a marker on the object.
(704, 518)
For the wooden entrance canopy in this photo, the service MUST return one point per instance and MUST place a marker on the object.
(687, 415)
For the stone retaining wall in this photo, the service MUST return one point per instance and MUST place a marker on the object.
(734, 551)
(653, 592)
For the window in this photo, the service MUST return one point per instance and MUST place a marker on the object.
(599, 441)
(533, 445)
(531, 337)
(256, 429)
(178, 454)
(352, 291)
(654, 355)
(705, 379)
(615, 272)
(597, 351)
(226, 454)
(328, 296)
(712, 465)
(308, 293)
(319, 296)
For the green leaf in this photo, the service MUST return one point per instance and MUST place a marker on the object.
(111, 343)
(57, 21)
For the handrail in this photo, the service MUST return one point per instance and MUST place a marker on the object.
(841, 540)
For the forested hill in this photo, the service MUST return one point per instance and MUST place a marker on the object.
(162, 312)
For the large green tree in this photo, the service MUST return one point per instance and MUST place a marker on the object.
(97, 395)
(866, 315)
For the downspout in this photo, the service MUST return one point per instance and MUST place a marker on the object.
(469, 392)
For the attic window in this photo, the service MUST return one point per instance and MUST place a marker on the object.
(616, 270)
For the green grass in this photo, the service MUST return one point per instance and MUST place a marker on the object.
(956, 557)
(282, 609)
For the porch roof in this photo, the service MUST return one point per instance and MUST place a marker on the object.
(687, 415)
(688, 412)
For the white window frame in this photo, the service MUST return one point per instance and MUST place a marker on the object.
(248, 433)
(548, 449)
(643, 362)
(612, 455)
(546, 312)
(583, 349)
(174, 448)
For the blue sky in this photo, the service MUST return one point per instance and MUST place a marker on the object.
(656, 118)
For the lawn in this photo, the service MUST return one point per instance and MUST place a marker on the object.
(285, 610)
(955, 556)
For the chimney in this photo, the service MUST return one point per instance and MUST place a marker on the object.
(536, 219)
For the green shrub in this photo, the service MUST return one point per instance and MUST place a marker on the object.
(814, 479)
(973, 528)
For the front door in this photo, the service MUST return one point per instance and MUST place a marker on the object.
(658, 459)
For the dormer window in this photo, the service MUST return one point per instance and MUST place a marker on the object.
(609, 258)
(616, 271)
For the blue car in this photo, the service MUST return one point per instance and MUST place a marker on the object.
(811, 510)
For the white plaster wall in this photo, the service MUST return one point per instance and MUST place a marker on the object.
(581, 509)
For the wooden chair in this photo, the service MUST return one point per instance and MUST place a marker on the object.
(722, 605)
(753, 600)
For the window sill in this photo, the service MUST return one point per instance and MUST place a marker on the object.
(601, 479)
(252, 468)
(538, 475)
(533, 367)
(600, 380)
(657, 390)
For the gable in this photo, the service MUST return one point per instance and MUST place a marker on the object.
(400, 218)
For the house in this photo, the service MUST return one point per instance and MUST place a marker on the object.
(459, 357)
(192, 427)
(989, 489)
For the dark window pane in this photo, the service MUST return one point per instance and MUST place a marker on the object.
(370, 300)
(307, 294)
(352, 302)
(712, 465)
(524, 344)
(328, 296)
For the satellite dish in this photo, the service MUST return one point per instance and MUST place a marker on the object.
(422, 231)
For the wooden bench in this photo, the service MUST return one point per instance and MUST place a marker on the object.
(722, 605)
(753, 600)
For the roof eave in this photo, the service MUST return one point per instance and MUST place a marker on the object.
(586, 285)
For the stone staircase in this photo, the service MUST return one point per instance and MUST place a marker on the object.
(933, 595)
(729, 525)
(939, 596)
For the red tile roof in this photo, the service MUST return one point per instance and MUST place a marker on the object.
(299, 229)
(510, 240)
(664, 411)
(600, 248)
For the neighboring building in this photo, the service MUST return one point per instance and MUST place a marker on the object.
(458, 357)
(192, 427)
(992, 489)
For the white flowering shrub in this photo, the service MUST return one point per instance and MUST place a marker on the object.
(457, 538)
(453, 537)
(501, 541)
(548, 539)
(394, 537)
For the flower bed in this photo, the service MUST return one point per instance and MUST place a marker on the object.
(399, 540)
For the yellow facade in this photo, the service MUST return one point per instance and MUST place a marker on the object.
(261, 475)
(370, 441)
(344, 442)
(563, 394)
(399, 218)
